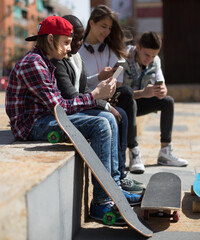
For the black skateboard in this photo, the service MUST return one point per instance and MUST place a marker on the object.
(101, 174)
(162, 195)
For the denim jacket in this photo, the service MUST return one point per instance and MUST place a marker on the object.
(139, 78)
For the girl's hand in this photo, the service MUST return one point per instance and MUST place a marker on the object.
(116, 114)
(106, 73)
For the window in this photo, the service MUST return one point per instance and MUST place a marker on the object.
(20, 32)
(17, 12)
(24, 14)
(9, 31)
(40, 6)
(8, 10)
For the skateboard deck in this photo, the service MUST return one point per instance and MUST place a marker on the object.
(99, 171)
(196, 185)
(195, 190)
(162, 195)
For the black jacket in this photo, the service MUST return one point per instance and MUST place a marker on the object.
(65, 76)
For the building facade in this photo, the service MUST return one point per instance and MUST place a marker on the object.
(19, 19)
(149, 16)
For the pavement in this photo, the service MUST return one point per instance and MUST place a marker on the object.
(186, 144)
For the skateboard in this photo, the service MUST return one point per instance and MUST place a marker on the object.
(162, 196)
(101, 174)
(195, 190)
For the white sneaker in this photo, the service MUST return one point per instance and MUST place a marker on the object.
(167, 158)
(135, 164)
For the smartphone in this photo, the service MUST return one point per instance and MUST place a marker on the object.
(158, 82)
(119, 62)
(117, 72)
(114, 97)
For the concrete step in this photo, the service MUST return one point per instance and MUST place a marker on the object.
(184, 93)
(41, 189)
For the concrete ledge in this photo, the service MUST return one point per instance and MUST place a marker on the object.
(184, 93)
(141, 123)
(40, 191)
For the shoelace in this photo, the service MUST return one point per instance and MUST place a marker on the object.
(110, 203)
(136, 156)
(173, 155)
(126, 181)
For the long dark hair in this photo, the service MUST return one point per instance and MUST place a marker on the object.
(115, 39)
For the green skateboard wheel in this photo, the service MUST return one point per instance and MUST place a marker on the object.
(53, 137)
(109, 218)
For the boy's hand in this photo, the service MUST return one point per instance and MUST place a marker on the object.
(160, 91)
(105, 89)
(148, 91)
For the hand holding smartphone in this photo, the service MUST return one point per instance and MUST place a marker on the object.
(114, 97)
(158, 82)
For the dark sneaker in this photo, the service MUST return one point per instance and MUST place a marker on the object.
(142, 185)
(167, 158)
(130, 186)
(107, 213)
(133, 199)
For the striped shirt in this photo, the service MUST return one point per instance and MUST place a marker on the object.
(32, 93)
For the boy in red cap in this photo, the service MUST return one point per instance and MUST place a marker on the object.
(32, 94)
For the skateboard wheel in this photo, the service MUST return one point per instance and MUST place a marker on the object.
(176, 216)
(195, 207)
(146, 214)
(109, 218)
(53, 137)
(192, 190)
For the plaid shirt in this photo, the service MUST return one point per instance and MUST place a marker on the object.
(32, 93)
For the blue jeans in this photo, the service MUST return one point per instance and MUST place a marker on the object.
(122, 141)
(114, 132)
(102, 134)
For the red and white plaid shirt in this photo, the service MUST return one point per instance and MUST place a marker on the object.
(32, 93)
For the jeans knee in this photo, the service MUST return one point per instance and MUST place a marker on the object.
(104, 127)
(169, 101)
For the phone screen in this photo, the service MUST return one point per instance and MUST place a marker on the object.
(115, 96)
(158, 82)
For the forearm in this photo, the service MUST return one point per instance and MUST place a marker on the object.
(92, 81)
(138, 94)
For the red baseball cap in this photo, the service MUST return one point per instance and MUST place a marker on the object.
(53, 25)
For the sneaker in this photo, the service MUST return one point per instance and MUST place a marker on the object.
(142, 185)
(167, 158)
(135, 165)
(104, 212)
(133, 199)
(130, 186)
